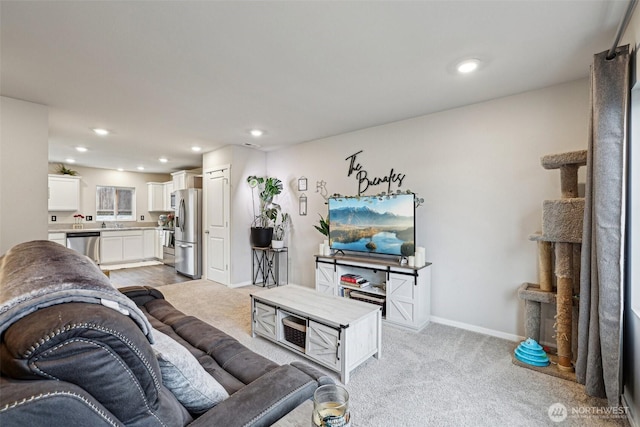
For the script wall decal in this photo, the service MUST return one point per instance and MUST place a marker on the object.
(364, 181)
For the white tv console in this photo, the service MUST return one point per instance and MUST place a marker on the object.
(403, 291)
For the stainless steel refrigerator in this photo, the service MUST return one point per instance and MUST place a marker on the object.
(188, 232)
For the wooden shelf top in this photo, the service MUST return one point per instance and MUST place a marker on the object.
(370, 260)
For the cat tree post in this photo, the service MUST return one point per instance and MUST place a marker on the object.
(564, 305)
(545, 253)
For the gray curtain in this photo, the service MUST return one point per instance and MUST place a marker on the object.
(599, 362)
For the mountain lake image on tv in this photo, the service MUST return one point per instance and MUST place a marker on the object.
(373, 224)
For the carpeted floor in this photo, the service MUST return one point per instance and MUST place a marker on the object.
(441, 376)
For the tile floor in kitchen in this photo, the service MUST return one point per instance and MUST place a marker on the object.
(154, 276)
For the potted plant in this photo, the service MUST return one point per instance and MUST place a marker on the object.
(261, 227)
(323, 228)
(280, 230)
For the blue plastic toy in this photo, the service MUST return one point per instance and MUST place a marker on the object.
(531, 353)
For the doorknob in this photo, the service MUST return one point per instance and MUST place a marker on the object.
(206, 231)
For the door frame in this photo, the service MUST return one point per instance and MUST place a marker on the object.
(227, 213)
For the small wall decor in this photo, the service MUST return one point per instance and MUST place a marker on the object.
(321, 187)
(302, 184)
(302, 205)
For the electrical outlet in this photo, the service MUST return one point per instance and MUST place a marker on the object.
(89, 218)
(53, 218)
(141, 217)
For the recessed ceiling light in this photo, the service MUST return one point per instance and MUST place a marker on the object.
(196, 148)
(163, 160)
(81, 149)
(468, 65)
(256, 132)
(140, 168)
(70, 160)
(101, 132)
(120, 170)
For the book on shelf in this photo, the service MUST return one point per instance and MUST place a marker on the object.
(354, 280)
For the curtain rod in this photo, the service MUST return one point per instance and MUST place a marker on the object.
(622, 28)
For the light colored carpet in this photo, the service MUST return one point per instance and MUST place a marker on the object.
(441, 376)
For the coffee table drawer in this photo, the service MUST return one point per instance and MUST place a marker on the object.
(323, 344)
(264, 320)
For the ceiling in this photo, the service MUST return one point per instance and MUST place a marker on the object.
(163, 76)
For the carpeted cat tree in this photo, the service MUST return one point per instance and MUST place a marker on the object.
(559, 246)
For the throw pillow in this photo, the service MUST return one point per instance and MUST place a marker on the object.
(185, 377)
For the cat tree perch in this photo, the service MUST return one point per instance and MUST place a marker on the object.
(559, 246)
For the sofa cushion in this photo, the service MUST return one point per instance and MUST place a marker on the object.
(185, 377)
(239, 365)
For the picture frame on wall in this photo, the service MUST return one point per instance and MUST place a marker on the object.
(302, 184)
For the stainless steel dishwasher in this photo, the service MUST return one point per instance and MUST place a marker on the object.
(85, 242)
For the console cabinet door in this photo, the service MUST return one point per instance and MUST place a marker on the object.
(326, 279)
(401, 299)
(264, 320)
(323, 344)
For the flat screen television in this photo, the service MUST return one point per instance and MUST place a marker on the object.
(373, 224)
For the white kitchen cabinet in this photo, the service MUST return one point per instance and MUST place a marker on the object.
(404, 292)
(64, 193)
(168, 189)
(150, 244)
(186, 179)
(156, 197)
(110, 248)
(133, 247)
(159, 244)
(121, 246)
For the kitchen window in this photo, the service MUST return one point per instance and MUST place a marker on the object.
(115, 203)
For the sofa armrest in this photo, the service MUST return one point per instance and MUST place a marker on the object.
(96, 348)
(50, 403)
(264, 401)
(319, 376)
(141, 294)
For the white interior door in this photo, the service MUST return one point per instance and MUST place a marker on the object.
(217, 225)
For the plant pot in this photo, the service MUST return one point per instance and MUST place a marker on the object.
(261, 236)
(277, 244)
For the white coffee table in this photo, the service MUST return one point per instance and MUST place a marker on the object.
(335, 332)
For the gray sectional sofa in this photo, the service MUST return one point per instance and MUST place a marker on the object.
(76, 352)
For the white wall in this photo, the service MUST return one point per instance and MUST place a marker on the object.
(478, 169)
(92, 177)
(23, 171)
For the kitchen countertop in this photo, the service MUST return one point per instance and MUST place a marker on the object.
(106, 230)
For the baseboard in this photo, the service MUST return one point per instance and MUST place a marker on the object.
(474, 328)
(633, 421)
(239, 285)
(257, 286)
